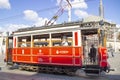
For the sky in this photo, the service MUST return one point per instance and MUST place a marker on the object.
(15, 14)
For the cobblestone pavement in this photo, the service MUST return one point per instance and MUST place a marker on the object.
(115, 64)
(24, 75)
(6, 74)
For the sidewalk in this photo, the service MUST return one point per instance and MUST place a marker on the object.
(115, 63)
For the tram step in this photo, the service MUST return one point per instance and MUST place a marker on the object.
(92, 71)
(9, 63)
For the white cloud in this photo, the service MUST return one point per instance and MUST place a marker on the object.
(28, 15)
(5, 4)
(1, 29)
(75, 4)
(41, 21)
(31, 15)
(118, 25)
(81, 14)
(12, 27)
(79, 4)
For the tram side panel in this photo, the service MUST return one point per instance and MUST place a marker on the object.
(68, 55)
(40, 55)
(103, 58)
(23, 55)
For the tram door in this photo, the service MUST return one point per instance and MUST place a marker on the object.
(9, 49)
(89, 38)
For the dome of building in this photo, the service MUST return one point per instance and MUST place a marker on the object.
(93, 18)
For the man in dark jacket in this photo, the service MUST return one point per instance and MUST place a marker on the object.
(92, 53)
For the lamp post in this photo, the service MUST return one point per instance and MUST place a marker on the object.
(102, 32)
(115, 38)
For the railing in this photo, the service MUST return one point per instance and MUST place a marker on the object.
(88, 61)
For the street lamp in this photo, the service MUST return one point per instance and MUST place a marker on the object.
(115, 38)
(102, 33)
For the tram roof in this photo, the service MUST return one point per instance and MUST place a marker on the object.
(88, 19)
(51, 26)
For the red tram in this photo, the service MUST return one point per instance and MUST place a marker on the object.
(44, 48)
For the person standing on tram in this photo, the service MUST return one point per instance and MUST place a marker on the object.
(92, 54)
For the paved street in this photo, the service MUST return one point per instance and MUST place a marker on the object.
(115, 63)
(24, 75)
(6, 74)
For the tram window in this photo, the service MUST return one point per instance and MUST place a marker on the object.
(10, 44)
(62, 39)
(41, 40)
(3, 43)
(24, 41)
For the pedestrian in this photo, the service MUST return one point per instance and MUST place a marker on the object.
(92, 54)
(112, 52)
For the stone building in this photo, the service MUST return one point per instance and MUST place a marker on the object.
(110, 27)
(111, 30)
(3, 38)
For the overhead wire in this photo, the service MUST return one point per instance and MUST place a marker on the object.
(38, 11)
(19, 15)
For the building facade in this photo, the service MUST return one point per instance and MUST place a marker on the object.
(111, 30)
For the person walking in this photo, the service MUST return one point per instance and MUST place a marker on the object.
(112, 52)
